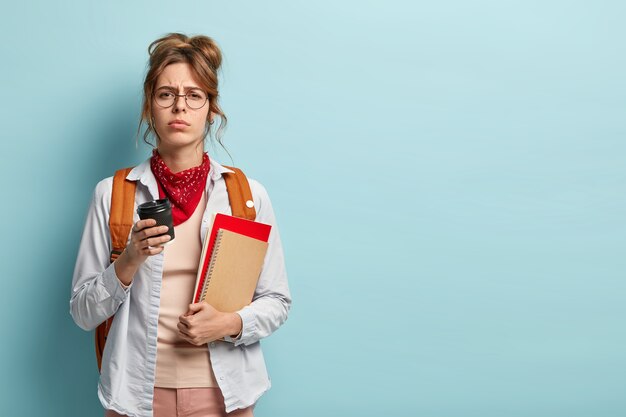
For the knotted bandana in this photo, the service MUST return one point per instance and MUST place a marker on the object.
(184, 189)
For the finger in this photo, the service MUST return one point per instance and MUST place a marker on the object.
(186, 320)
(156, 250)
(152, 242)
(142, 224)
(194, 340)
(143, 246)
(152, 231)
(195, 307)
(182, 329)
(156, 241)
(197, 341)
(185, 338)
(152, 251)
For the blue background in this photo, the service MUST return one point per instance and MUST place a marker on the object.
(448, 178)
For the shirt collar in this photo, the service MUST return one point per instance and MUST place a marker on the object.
(143, 173)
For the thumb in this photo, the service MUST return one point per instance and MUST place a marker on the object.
(195, 307)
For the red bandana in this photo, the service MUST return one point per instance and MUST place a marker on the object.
(184, 189)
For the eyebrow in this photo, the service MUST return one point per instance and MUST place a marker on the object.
(188, 87)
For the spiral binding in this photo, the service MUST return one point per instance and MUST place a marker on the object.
(209, 273)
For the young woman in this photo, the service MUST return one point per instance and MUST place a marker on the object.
(162, 356)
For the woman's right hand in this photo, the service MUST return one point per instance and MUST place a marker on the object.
(143, 242)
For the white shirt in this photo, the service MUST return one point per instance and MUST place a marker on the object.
(126, 382)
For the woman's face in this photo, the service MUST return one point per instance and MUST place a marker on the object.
(178, 79)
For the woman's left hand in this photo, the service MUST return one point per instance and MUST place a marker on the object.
(203, 323)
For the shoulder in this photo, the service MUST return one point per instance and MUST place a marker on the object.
(257, 189)
(259, 192)
(262, 202)
(104, 187)
(102, 192)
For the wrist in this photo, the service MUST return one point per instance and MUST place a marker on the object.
(234, 325)
(125, 268)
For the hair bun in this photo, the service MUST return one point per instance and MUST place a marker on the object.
(201, 43)
(209, 49)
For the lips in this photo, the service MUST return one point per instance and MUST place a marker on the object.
(178, 122)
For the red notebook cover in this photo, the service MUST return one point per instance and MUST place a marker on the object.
(245, 227)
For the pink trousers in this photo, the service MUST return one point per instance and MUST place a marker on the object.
(190, 402)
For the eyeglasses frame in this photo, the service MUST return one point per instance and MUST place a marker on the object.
(176, 98)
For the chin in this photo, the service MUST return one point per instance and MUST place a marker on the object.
(178, 139)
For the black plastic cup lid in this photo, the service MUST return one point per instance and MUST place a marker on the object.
(155, 205)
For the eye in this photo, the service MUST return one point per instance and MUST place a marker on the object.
(165, 94)
(196, 95)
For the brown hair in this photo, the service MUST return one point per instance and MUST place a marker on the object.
(205, 59)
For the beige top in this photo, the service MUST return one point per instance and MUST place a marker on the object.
(180, 364)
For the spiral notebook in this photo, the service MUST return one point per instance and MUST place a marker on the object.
(233, 271)
(230, 265)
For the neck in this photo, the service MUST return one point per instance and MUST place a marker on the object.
(180, 159)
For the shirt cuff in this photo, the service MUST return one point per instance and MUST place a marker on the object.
(236, 338)
(249, 327)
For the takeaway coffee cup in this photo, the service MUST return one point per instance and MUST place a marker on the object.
(161, 211)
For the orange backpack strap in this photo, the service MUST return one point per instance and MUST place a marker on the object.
(120, 224)
(122, 206)
(239, 194)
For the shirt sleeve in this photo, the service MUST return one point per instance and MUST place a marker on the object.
(96, 292)
(272, 299)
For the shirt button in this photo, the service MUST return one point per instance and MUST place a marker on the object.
(212, 344)
(221, 378)
(249, 203)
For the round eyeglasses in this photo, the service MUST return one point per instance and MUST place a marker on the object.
(195, 99)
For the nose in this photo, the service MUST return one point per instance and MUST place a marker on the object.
(179, 103)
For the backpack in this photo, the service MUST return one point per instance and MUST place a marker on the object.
(121, 223)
